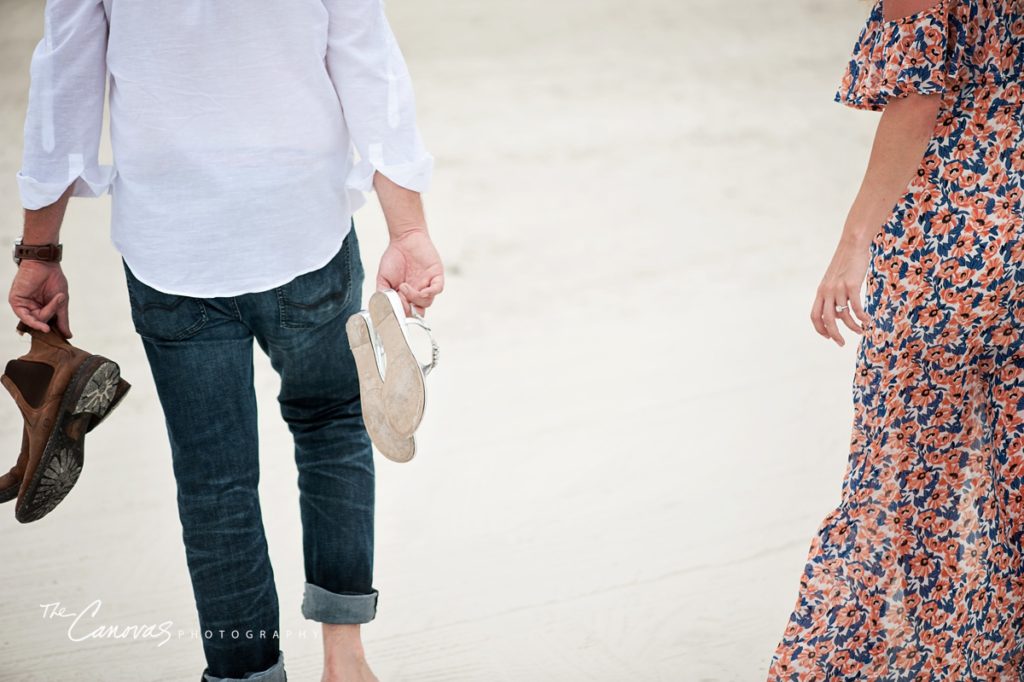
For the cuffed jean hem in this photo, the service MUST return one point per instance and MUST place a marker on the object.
(274, 673)
(340, 609)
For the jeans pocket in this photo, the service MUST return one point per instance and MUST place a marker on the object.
(160, 316)
(317, 297)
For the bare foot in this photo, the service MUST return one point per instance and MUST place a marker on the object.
(356, 672)
(344, 657)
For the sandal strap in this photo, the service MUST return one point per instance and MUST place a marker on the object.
(435, 351)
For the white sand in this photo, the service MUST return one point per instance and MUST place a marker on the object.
(634, 432)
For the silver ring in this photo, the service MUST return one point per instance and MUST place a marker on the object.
(842, 308)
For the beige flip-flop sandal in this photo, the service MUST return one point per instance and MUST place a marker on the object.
(405, 388)
(369, 366)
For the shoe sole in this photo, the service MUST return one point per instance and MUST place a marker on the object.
(89, 398)
(388, 443)
(119, 393)
(405, 390)
(11, 492)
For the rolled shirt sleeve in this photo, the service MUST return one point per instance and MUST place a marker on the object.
(64, 120)
(373, 85)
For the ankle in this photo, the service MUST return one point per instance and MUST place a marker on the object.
(343, 645)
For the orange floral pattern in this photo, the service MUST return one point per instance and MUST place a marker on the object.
(918, 574)
(895, 58)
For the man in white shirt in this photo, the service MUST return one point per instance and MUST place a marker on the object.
(235, 129)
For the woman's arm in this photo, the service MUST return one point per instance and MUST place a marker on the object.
(896, 9)
(900, 143)
(901, 140)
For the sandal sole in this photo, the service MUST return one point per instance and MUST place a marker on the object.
(388, 443)
(405, 389)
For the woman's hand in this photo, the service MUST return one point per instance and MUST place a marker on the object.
(839, 291)
(412, 267)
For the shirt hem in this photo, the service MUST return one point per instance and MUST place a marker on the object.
(246, 289)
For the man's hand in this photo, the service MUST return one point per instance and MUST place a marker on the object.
(38, 293)
(412, 267)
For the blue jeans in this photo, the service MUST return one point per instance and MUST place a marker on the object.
(200, 352)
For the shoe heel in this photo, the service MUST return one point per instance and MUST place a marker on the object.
(100, 389)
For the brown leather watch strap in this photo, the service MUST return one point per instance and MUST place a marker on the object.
(45, 252)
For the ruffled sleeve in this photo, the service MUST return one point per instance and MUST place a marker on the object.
(897, 58)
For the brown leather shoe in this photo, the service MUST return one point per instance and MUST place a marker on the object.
(11, 481)
(63, 392)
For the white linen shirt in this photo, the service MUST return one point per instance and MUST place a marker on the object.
(233, 125)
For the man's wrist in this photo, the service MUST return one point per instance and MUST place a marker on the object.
(45, 253)
(400, 234)
(38, 265)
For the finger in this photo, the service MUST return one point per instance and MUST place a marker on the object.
(817, 316)
(829, 318)
(405, 301)
(416, 297)
(843, 313)
(421, 308)
(421, 304)
(431, 285)
(382, 283)
(50, 309)
(27, 310)
(858, 310)
(848, 320)
(63, 321)
(27, 315)
(852, 304)
(434, 287)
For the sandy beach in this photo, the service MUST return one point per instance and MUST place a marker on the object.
(634, 431)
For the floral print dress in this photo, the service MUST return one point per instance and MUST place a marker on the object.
(918, 574)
